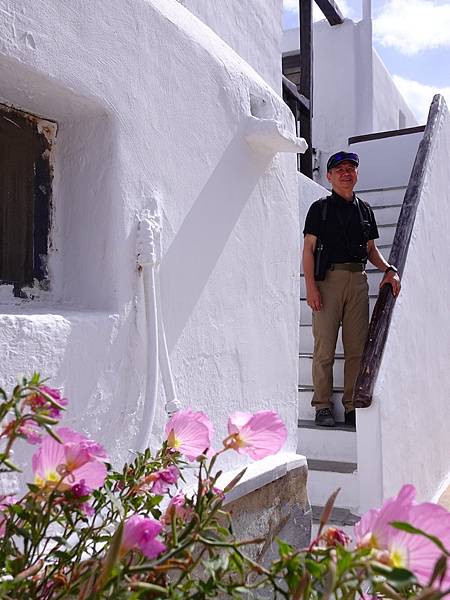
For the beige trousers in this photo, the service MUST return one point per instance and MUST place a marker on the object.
(345, 300)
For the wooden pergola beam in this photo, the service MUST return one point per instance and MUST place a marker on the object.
(331, 11)
(305, 87)
(292, 89)
(301, 103)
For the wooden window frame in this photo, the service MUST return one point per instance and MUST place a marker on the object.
(37, 137)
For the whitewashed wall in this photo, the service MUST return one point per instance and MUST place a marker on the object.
(386, 162)
(388, 102)
(153, 110)
(407, 421)
(252, 28)
(343, 80)
(308, 192)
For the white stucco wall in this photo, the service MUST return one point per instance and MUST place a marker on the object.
(152, 110)
(388, 102)
(407, 420)
(386, 162)
(252, 28)
(349, 99)
(308, 192)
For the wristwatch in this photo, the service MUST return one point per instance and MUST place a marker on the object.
(391, 268)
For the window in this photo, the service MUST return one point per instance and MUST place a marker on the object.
(25, 198)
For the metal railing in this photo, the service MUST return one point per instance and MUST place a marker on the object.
(382, 312)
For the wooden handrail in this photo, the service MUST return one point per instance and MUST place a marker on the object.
(382, 312)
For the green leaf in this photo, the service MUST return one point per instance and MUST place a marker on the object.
(401, 578)
(326, 513)
(284, 548)
(50, 432)
(240, 589)
(33, 487)
(234, 481)
(111, 558)
(315, 568)
(439, 571)
(11, 465)
(151, 587)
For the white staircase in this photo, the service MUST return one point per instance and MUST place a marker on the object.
(331, 452)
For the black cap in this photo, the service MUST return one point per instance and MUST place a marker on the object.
(336, 159)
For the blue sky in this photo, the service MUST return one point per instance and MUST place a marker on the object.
(413, 39)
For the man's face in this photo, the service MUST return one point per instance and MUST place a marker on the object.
(343, 177)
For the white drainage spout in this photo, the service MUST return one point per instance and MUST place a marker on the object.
(272, 135)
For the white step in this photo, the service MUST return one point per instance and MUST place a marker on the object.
(322, 484)
(343, 518)
(386, 232)
(382, 197)
(307, 412)
(332, 443)
(306, 312)
(387, 214)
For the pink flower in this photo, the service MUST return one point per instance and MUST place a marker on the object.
(402, 549)
(334, 536)
(140, 532)
(87, 509)
(80, 489)
(5, 501)
(77, 461)
(40, 403)
(189, 432)
(162, 480)
(31, 432)
(177, 507)
(257, 435)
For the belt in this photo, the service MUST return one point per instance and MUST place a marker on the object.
(353, 267)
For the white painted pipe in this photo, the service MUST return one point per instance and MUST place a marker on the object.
(147, 265)
(157, 354)
(172, 402)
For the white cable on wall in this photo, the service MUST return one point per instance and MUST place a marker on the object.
(149, 251)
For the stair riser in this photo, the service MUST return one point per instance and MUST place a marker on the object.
(327, 444)
(321, 484)
(307, 412)
(387, 215)
(383, 197)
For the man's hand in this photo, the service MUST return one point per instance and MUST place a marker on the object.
(313, 298)
(393, 280)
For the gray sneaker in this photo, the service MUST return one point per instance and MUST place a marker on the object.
(324, 418)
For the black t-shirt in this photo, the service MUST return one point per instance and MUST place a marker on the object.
(342, 233)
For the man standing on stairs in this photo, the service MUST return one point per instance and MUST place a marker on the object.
(342, 229)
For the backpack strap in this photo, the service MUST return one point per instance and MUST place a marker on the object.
(361, 204)
(323, 203)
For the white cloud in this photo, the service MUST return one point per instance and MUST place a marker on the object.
(419, 96)
(292, 7)
(412, 26)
